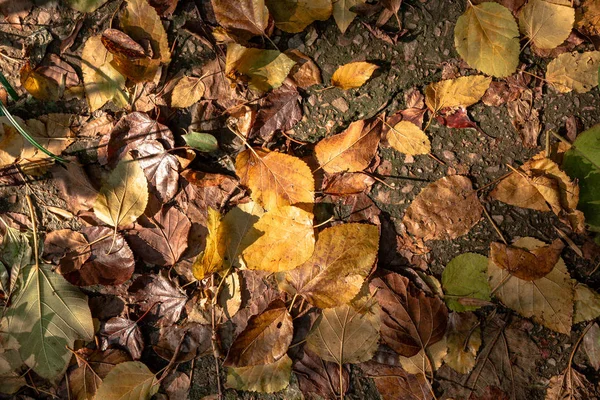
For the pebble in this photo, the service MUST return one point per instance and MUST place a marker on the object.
(340, 104)
(498, 219)
(552, 361)
(448, 155)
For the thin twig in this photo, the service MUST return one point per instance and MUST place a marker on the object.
(214, 344)
(494, 225)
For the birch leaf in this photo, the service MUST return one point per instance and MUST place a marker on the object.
(211, 259)
(130, 380)
(342, 14)
(187, 91)
(460, 92)
(546, 23)
(243, 18)
(574, 71)
(486, 36)
(352, 75)
(587, 304)
(124, 196)
(267, 378)
(408, 138)
(294, 16)
(465, 277)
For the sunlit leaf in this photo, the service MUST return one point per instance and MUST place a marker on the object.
(463, 340)
(465, 277)
(186, 92)
(352, 75)
(463, 91)
(546, 23)
(130, 380)
(295, 15)
(342, 14)
(409, 139)
(267, 378)
(574, 71)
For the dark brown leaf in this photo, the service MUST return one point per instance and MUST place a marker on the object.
(410, 321)
(75, 186)
(190, 340)
(119, 43)
(393, 382)
(177, 385)
(122, 332)
(244, 18)
(528, 265)
(158, 296)
(320, 377)
(278, 111)
(67, 248)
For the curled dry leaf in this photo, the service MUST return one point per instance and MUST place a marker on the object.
(275, 179)
(408, 138)
(528, 265)
(393, 382)
(465, 277)
(571, 384)
(67, 248)
(410, 321)
(351, 150)
(352, 75)
(463, 340)
(320, 377)
(548, 300)
(305, 73)
(574, 71)
(265, 339)
(244, 18)
(119, 43)
(294, 16)
(445, 209)
(525, 118)
(267, 378)
(130, 380)
(486, 36)
(343, 257)
(460, 92)
(546, 23)
(287, 240)
(123, 332)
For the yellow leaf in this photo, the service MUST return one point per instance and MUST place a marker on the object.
(408, 138)
(352, 75)
(486, 36)
(211, 259)
(55, 132)
(546, 23)
(266, 378)
(102, 82)
(342, 14)
(130, 380)
(237, 225)
(464, 339)
(287, 240)
(574, 71)
(11, 141)
(262, 69)
(124, 196)
(188, 91)
(590, 19)
(351, 150)
(421, 363)
(39, 86)
(294, 15)
(548, 300)
(343, 257)
(275, 179)
(242, 18)
(461, 92)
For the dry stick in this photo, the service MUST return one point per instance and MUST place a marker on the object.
(494, 225)
(171, 362)
(214, 343)
(293, 140)
(493, 182)
(34, 226)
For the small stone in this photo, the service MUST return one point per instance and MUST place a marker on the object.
(407, 188)
(409, 159)
(340, 104)
(498, 219)
(448, 155)
(552, 361)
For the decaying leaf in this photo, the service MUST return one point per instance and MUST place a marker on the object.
(590, 18)
(591, 345)
(278, 111)
(188, 91)
(587, 304)
(352, 75)
(445, 209)
(463, 340)
(393, 382)
(524, 264)
(320, 377)
(130, 380)
(487, 37)
(287, 240)
(275, 179)
(525, 118)
(351, 150)
(570, 385)
(67, 248)
(548, 300)
(182, 342)
(342, 14)
(294, 15)
(546, 23)
(122, 332)
(348, 183)
(267, 378)
(160, 297)
(410, 320)
(263, 70)
(460, 92)
(465, 277)
(343, 257)
(244, 19)
(574, 71)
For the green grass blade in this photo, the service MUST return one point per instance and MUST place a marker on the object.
(8, 87)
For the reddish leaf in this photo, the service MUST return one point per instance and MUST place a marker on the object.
(159, 296)
(456, 118)
(161, 169)
(278, 111)
(320, 377)
(123, 332)
(177, 385)
(119, 43)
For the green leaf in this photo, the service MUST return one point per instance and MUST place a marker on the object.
(266, 378)
(203, 142)
(9, 89)
(130, 380)
(46, 316)
(582, 162)
(465, 277)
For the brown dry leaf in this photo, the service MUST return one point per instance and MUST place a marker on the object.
(464, 91)
(348, 183)
(93, 366)
(463, 340)
(352, 75)
(574, 71)
(320, 377)
(525, 264)
(211, 259)
(411, 321)
(244, 18)
(265, 340)
(159, 296)
(408, 138)
(11, 141)
(570, 385)
(589, 20)
(55, 132)
(342, 14)
(546, 23)
(587, 304)
(177, 385)
(294, 16)
(393, 382)
(15, 11)
(267, 378)
(195, 342)
(275, 179)
(525, 118)
(541, 185)
(67, 248)
(591, 345)
(131, 380)
(75, 186)
(305, 73)
(119, 43)
(188, 91)
(548, 300)
(445, 209)
(351, 150)
(343, 257)
(287, 240)
(123, 332)
(278, 111)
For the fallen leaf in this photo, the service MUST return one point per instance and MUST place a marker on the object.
(66, 248)
(341, 12)
(348, 183)
(460, 92)
(15, 12)
(86, 6)
(122, 332)
(278, 111)
(546, 23)
(465, 276)
(120, 43)
(408, 138)
(463, 340)
(55, 132)
(244, 19)
(524, 264)
(486, 36)
(75, 186)
(130, 380)
(427, 360)
(294, 16)
(570, 385)
(287, 240)
(102, 82)
(574, 71)
(237, 223)
(211, 259)
(177, 385)
(393, 382)
(158, 296)
(351, 150)
(343, 257)
(525, 118)
(275, 179)
(320, 377)
(188, 340)
(589, 20)
(587, 304)
(267, 378)
(11, 142)
(263, 70)
(265, 339)
(410, 320)
(305, 73)
(204, 142)
(591, 345)
(456, 118)
(188, 91)
(38, 85)
(160, 168)
(352, 75)
(124, 196)
(445, 209)
(548, 300)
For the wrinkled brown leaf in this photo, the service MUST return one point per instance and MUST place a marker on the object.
(157, 295)
(524, 264)
(123, 332)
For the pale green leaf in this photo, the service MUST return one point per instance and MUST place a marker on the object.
(130, 380)
(465, 277)
(204, 142)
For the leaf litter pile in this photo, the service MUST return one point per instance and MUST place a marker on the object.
(171, 230)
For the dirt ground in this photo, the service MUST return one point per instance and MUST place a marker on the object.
(415, 61)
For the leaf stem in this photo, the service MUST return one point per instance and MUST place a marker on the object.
(341, 380)
(34, 227)
(292, 303)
